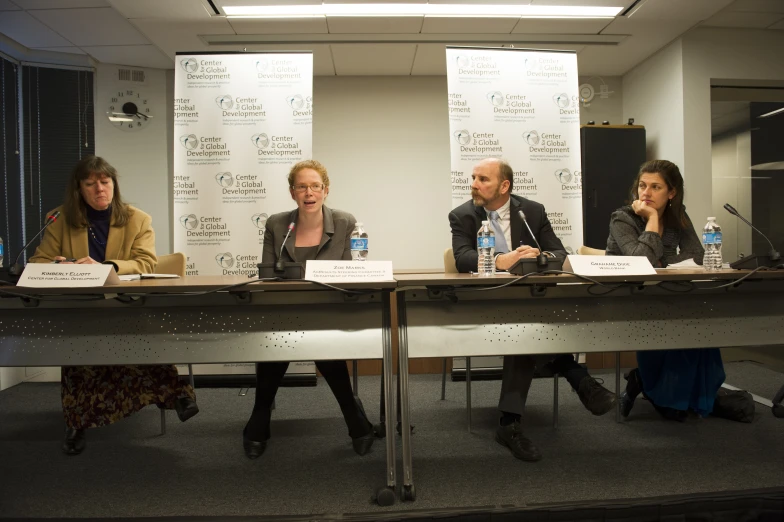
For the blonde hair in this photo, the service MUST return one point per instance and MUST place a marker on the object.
(309, 164)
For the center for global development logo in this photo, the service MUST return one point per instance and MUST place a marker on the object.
(189, 141)
(259, 220)
(224, 260)
(261, 141)
(190, 65)
(531, 64)
(565, 176)
(496, 98)
(189, 221)
(296, 101)
(224, 179)
(463, 61)
(463, 137)
(262, 64)
(225, 102)
(531, 137)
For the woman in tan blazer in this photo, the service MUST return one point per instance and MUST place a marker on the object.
(319, 233)
(98, 227)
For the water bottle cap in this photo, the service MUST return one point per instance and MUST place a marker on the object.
(485, 222)
(358, 224)
(711, 219)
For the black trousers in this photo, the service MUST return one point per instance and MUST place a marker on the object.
(268, 378)
(518, 372)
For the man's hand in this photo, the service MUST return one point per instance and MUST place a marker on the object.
(505, 261)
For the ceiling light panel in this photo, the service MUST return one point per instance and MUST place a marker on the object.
(409, 9)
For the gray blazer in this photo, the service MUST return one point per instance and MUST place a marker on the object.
(335, 242)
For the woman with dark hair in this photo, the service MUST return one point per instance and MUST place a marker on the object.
(655, 225)
(320, 233)
(98, 227)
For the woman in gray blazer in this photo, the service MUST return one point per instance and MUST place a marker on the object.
(319, 233)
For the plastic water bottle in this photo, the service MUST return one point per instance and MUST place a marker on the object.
(711, 240)
(359, 243)
(1, 251)
(485, 247)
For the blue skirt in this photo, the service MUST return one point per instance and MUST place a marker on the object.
(682, 379)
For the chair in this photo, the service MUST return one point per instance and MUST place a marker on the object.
(451, 268)
(588, 251)
(172, 264)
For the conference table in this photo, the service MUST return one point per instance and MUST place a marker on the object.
(199, 320)
(451, 315)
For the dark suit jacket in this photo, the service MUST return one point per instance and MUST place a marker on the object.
(335, 242)
(466, 219)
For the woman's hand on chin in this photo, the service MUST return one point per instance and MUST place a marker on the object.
(643, 209)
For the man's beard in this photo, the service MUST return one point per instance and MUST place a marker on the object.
(479, 201)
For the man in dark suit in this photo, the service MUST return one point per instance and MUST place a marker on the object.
(492, 200)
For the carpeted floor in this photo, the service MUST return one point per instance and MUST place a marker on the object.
(198, 468)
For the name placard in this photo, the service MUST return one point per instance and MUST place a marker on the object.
(609, 265)
(54, 275)
(349, 271)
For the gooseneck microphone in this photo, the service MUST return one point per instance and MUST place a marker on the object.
(16, 269)
(279, 266)
(773, 254)
(541, 259)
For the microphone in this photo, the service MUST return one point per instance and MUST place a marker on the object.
(279, 267)
(541, 259)
(773, 256)
(16, 269)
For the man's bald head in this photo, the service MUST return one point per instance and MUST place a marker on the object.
(504, 171)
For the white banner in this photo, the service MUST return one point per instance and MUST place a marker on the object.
(522, 106)
(241, 120)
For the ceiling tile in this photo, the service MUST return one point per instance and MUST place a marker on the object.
(98, 26)
(72, 50)
(171, 9)
(561, 25)
(173, 36)
(279, 25)
(430, 60)
(322, 56)
(26, 30)
(374, 25)
(745, 19)
(59, 4)
(136, 55)
(7, 5)
(592, 3)
(777, 25)
(373, 59)
(759, 6)
(458, 25)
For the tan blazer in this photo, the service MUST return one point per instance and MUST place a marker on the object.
(131, 248)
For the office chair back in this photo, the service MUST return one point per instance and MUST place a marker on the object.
(171, 264)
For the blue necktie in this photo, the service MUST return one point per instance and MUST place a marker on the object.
(500, 241)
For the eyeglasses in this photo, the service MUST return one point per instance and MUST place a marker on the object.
(316, 187)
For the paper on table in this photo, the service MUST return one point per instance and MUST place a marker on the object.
(136, 277)
(688, 263)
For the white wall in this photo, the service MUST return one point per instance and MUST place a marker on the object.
(608, 107)
(140, 157)
(653, 96)
(731, 159)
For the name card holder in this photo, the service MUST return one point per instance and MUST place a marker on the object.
(609, 265)
(349, 271)
(55, 275)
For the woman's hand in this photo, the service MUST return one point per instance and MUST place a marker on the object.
(643, 209)
(87, 261)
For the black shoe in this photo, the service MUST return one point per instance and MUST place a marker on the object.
(253, 449)
(186, 408)
(74, 442)
(633, 389)
(595, 397)
(512, 437)
(362, 444)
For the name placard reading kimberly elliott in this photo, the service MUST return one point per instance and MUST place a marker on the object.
(51, 275)
(349, 271)
(609, 265)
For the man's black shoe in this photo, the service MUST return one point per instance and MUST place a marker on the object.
(512, 437)
(595, 397)
(74, 442)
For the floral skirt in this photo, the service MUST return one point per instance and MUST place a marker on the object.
(94, 396)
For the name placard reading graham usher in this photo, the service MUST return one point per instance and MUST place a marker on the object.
(241, 120)
(522, 106)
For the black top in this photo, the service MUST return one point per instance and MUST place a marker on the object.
(305, 253)
(98, 232)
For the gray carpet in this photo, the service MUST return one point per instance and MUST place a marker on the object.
(198, 468)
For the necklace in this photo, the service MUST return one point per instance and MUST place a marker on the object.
(95, 238)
